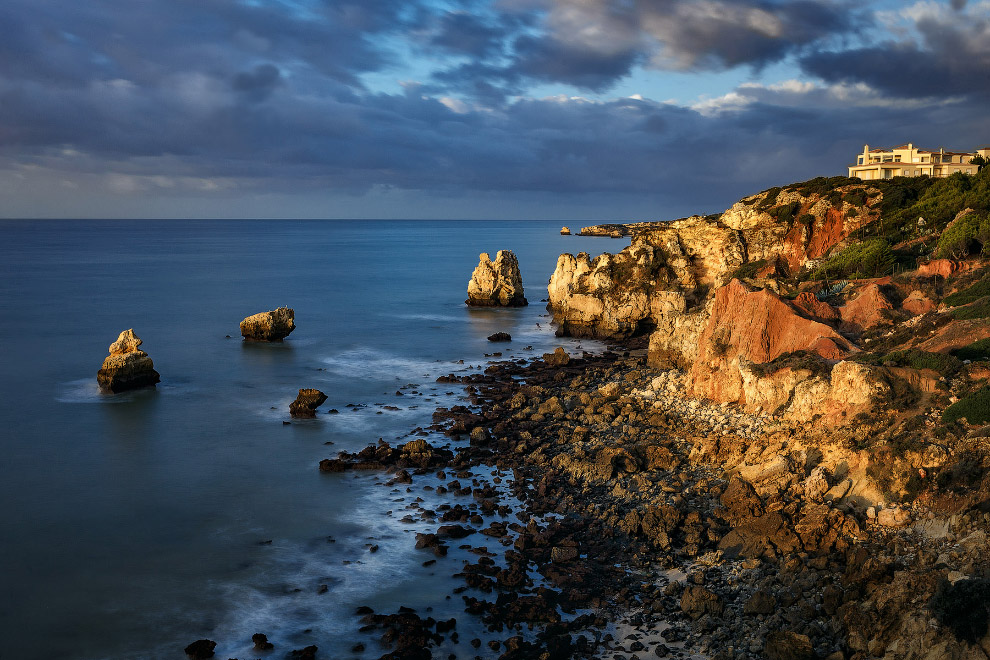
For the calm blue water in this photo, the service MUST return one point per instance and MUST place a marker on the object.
(137, 523)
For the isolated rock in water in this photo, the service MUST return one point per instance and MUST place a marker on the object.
(200, 649)
(269, 326)
(127, 368)
(500, 336)
(307, 402)
(498, 283)
(565, 230)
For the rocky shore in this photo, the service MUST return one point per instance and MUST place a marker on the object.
(784, 455)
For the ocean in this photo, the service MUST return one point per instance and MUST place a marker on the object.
(134, 524)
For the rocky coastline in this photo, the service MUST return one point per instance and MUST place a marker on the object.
(783, 455)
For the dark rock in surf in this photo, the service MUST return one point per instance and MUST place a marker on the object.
(500, 336)
(201, 649)
(307, 402)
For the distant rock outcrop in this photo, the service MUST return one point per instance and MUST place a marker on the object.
(127, 367)
(269, 326)
(498, 283)
(306, 403)
(565, 231)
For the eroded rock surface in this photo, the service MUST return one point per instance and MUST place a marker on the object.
(496, 283)
(274, 325)
(127, 367)
(306, 403)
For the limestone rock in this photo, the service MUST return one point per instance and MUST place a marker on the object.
(498, 283)
(696, 601)
(127, 367)
(893, 518)
(269, 326)
(565, 230)
(784, 645)
(558, 358)
(306, 403)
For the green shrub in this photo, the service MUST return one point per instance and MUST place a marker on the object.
(806, 219)
(978, 350)
(917, 359)
(975, 408)
(770, 199)
(748, 270)
(821, 185)
(963, 607)
(856, 197)
(785, 213)
(970, 294)
(870, 258)
(959, 239)
(975, 310)
(852, 212)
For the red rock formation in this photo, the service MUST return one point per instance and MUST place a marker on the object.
(917, 303)
(942, 268)
(814, 308)
(759, 327)
(867, 309)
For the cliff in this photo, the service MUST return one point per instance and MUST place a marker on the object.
(743, 303)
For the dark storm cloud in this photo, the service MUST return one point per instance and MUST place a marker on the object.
(269, 97)
(592, 44)
(951, 58)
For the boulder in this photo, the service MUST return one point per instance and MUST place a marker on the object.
(696, 601)
(565, 230)
(498, 283)
(306, 403)
(893, 517)
(269, 326)
(558, 358)
(785, 645)
(500, 336)
(127, 367)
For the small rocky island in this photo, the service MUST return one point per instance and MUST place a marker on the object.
(269, 326)
(127, 367)
(498, 283)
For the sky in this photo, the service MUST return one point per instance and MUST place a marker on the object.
(571, 110)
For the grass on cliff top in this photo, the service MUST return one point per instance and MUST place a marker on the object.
(795, 360)
(905, 199)
(870, 258)
(970, 294)
(975, 408)
(980, 309)
(978, 350)
(915, 359)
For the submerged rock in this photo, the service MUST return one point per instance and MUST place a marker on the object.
(498, 283)
(127, 367)
(269, 326)
(306, 403)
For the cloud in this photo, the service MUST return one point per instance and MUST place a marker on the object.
(945, 53)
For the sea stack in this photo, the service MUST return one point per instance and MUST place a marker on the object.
(306, 403)
(498, 283)
(565, 231)
(127, 367)
(269, 326)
